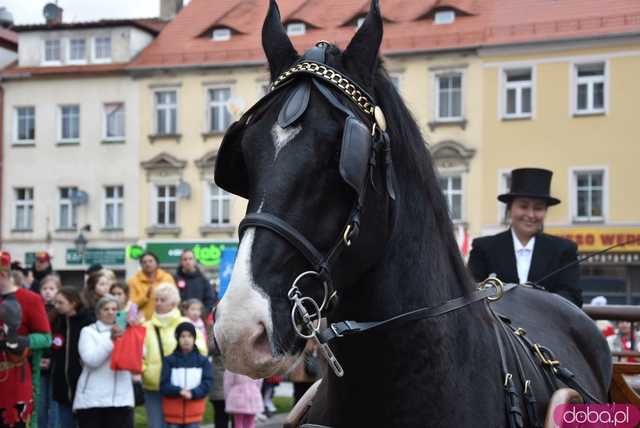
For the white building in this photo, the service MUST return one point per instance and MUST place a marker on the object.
(70, 151)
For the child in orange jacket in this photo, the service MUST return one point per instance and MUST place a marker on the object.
(185, 381)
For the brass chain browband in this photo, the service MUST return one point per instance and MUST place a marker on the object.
(356, 94)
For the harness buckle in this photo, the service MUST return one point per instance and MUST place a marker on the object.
(508, 379)
(346, 237)
(333, 328)
(544, 358)
(520, 331)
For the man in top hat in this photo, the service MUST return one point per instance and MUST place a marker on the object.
(523, 253)
(17, 394)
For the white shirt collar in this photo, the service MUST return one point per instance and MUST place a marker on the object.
(517, 245)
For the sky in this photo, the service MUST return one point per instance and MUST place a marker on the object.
(30, 11)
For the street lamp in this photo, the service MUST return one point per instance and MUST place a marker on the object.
(80, 243)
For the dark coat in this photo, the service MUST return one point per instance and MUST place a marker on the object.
(38, 276)
(194, 285)
(66, 366)
(496, 254)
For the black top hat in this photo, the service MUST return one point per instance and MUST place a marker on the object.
(530, 183)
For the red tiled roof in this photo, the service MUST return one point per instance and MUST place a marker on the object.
(12, 71)
(152, 25)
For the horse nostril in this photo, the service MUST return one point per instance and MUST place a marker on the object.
(261, 340)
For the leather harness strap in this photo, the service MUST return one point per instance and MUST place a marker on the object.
(347, 328)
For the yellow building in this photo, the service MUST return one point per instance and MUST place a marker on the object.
(569, 105)
(194, 83)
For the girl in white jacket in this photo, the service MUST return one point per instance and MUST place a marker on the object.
(104, 398)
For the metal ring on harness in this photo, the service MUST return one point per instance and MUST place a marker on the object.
(325, 297)
(312, 322)
(496, 283)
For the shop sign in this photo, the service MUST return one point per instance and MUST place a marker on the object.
(29, 258)
(593, 239)
(103, 256)
(208, 254)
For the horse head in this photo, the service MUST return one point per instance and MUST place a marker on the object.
(304, 157)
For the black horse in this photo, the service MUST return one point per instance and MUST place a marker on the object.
(442, 371)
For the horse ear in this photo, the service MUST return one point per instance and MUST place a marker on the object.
(275, 42)
(362, 53)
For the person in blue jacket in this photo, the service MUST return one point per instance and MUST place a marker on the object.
(185, 381)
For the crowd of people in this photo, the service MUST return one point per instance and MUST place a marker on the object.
(58, 345)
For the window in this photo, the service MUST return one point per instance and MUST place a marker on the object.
(444, 17)
(23, 217)
(452, 190)
(504, 185)
(166, 112)
(52, 51)
(219, 206)
(296, 29)
(77, 50)
(70, 123)
(517, 95)
(102, 49)
(590, 88)
(25, 124)
(67, 212)
(219, 114)
(165, 205)
(114, 121)
(449, 98)
(113, 207)
(589, 196)
(221, 34)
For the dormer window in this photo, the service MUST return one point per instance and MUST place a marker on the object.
(296, 29)
(221, 34)
(444, 17)
(360, 21)
(102, 49)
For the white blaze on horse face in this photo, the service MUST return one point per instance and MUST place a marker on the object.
(243, 318)
(282, 136)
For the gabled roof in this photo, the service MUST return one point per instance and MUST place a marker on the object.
(479, 23)
(150, 25)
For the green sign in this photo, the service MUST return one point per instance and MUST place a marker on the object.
(29, 258)
(134, 252)
(103, 256)
(208, 254)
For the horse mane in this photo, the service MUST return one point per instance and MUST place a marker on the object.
(416, 175)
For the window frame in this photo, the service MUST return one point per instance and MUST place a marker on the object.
(156, 107)
(94, 49)
(58, 61)
(573, 185)
(70, 49)
(117, 201)
(518, 86)
(449, 176)
(503, 187)
(73, 211)
(301, 29)
(105, 122)
(444, 17)
(591, 81)
(24, 203)
(166, 200)
(436, 92)
(210, 104)
(16, 125)
(223, 35)
(61, 138)
(222, 197)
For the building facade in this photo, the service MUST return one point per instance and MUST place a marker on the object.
(71, 144)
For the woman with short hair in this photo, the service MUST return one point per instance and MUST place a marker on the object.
(160, 342)
(104, 397)
(524, 253)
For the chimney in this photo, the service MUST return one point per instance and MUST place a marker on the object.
(52, 14)
(170, 8)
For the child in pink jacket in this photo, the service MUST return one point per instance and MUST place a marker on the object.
(243, 399)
